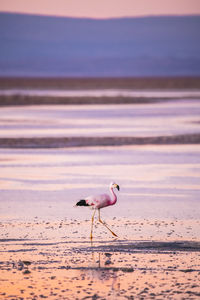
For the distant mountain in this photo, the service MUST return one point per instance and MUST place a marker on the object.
(33, 45)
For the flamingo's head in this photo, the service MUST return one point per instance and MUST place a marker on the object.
(114, 185)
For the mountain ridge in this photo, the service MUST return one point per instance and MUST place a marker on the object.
(37, 45)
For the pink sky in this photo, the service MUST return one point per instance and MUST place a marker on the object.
(102, 8)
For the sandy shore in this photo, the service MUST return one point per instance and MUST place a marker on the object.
(104, 269)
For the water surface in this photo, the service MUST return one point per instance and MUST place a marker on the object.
(139, 120)
(44, 240)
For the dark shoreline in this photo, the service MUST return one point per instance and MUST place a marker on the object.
(19, 100)
(66, 142)
(168, 83)
(141, 84)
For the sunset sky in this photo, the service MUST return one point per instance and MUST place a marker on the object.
(102, 8)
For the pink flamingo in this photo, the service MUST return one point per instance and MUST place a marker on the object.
(98, 202)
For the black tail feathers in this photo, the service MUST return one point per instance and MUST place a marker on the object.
(82, 203)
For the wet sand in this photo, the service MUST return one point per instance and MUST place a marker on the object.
(78, 270)
(105, 269)
(45, 258)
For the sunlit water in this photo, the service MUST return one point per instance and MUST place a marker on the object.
(165, 176)
(167, 118)
(157, 182)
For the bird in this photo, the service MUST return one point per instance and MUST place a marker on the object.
(96, 202)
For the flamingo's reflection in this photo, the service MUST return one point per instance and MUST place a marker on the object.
(102, 268)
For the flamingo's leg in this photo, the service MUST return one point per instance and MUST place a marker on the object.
(105, 225)
(92, 224)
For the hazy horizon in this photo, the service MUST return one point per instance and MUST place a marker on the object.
(102, 10)
(106, 18)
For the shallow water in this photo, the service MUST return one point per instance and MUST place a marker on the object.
(139, 120)
(157, 182)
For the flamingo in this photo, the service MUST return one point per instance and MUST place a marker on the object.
(99, 201)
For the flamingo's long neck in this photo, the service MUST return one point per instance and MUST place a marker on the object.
(113, 198)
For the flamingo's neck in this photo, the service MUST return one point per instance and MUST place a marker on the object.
(113, 198)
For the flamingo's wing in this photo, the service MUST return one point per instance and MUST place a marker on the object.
(98, 201)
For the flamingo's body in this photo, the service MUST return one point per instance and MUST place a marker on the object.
(99, 201)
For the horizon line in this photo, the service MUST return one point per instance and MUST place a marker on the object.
(100, 18)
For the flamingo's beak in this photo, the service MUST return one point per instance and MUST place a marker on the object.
(117, 186)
